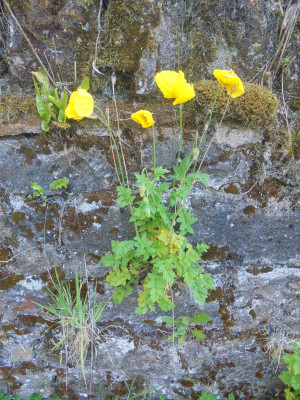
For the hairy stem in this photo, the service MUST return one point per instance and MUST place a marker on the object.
(201, 143)
(120, 164)
(114, 142)
(180, 140)
(200, 165)
(153, 134)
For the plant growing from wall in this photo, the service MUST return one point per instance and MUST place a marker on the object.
(56, 107)
(50, 104)
(291, 377)
(77, 314)
(160, 252)
(38, 191)
(186, 325)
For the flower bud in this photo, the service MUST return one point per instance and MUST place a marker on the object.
(113, 79)
(142, 190)
(195, 154)
(147, 212)
(145, 200)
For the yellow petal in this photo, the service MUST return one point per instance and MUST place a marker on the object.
(174, 86)
(183, 92)
(81, 104)
(166, 80)
(231, 81)
(143, 117)
(70, 113)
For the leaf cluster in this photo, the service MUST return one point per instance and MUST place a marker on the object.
(160, 253)
(185, 325)
(130, 395)
(291, 377)
(38, 191)
(50, 104)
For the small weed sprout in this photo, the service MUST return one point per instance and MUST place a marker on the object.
(38, 191)
(184, 326)
(50, 104)
(130, 395)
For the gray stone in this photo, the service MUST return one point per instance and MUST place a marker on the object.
(21, 354)
(247, 214)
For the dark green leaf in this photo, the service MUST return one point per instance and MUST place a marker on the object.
(163, 187)
(230, 397)
(179, 194)
(42, 107)
(53, 100)
(207, 396)
(125, 197)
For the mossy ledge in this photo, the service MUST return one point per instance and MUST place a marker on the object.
(257, 107)
(13, 108)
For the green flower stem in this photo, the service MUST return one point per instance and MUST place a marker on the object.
(153, 134)
(119, 161)
(134, 222)
(115, 144)
(195, 144)
(180, 140)
(201, 141)
(208, 122)
(198, 170)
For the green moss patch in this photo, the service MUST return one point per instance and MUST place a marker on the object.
(13, 108)
(8, 281)
(257, 107)
(128, 33)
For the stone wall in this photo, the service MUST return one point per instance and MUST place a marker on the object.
(248, 213)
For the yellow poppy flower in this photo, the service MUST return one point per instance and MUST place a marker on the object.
(174, 86)
(231, 81)
(81, 105)
(144, 118)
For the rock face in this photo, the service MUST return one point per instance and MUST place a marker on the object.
(248, 213)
